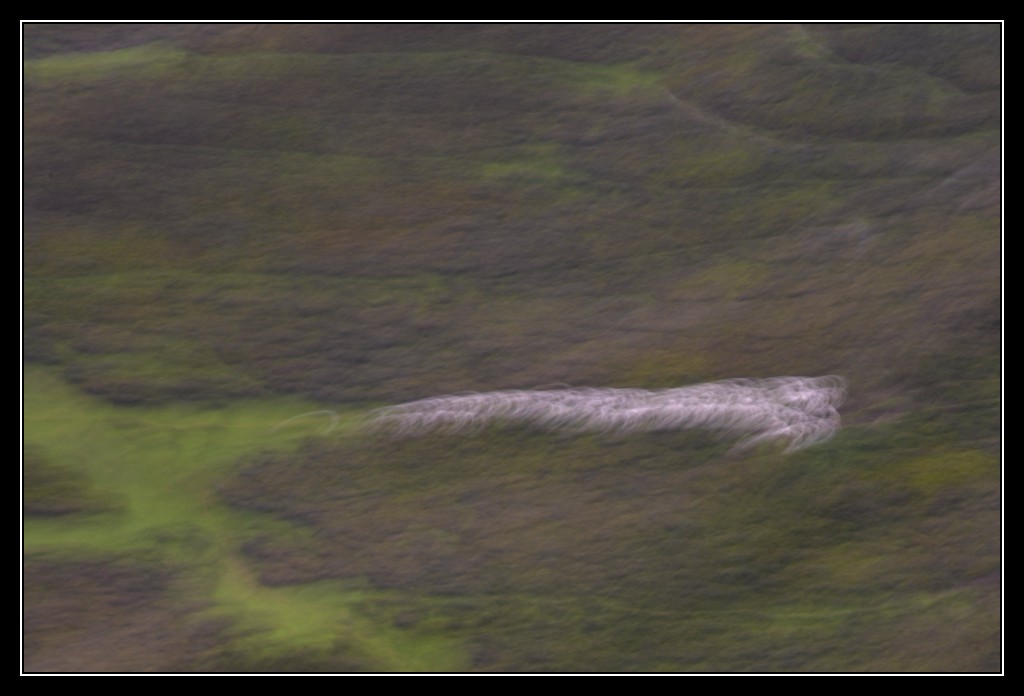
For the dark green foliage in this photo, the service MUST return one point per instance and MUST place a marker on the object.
(545, 216)
(108, 614)
(644, 553)
(53, 489)
(561, 227)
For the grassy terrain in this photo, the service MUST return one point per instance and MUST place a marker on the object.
(226, 226)
(155, 470)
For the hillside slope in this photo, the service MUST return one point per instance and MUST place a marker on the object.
(356, 215)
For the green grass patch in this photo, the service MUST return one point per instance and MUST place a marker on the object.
(154, 60)
(162, 466)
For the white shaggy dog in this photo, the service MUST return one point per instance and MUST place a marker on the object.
(799, 410)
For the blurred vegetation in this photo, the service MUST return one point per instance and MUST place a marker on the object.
(226, 225)
(576, 553)
(54, 489)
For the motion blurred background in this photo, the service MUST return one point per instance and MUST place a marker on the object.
(228, 225)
